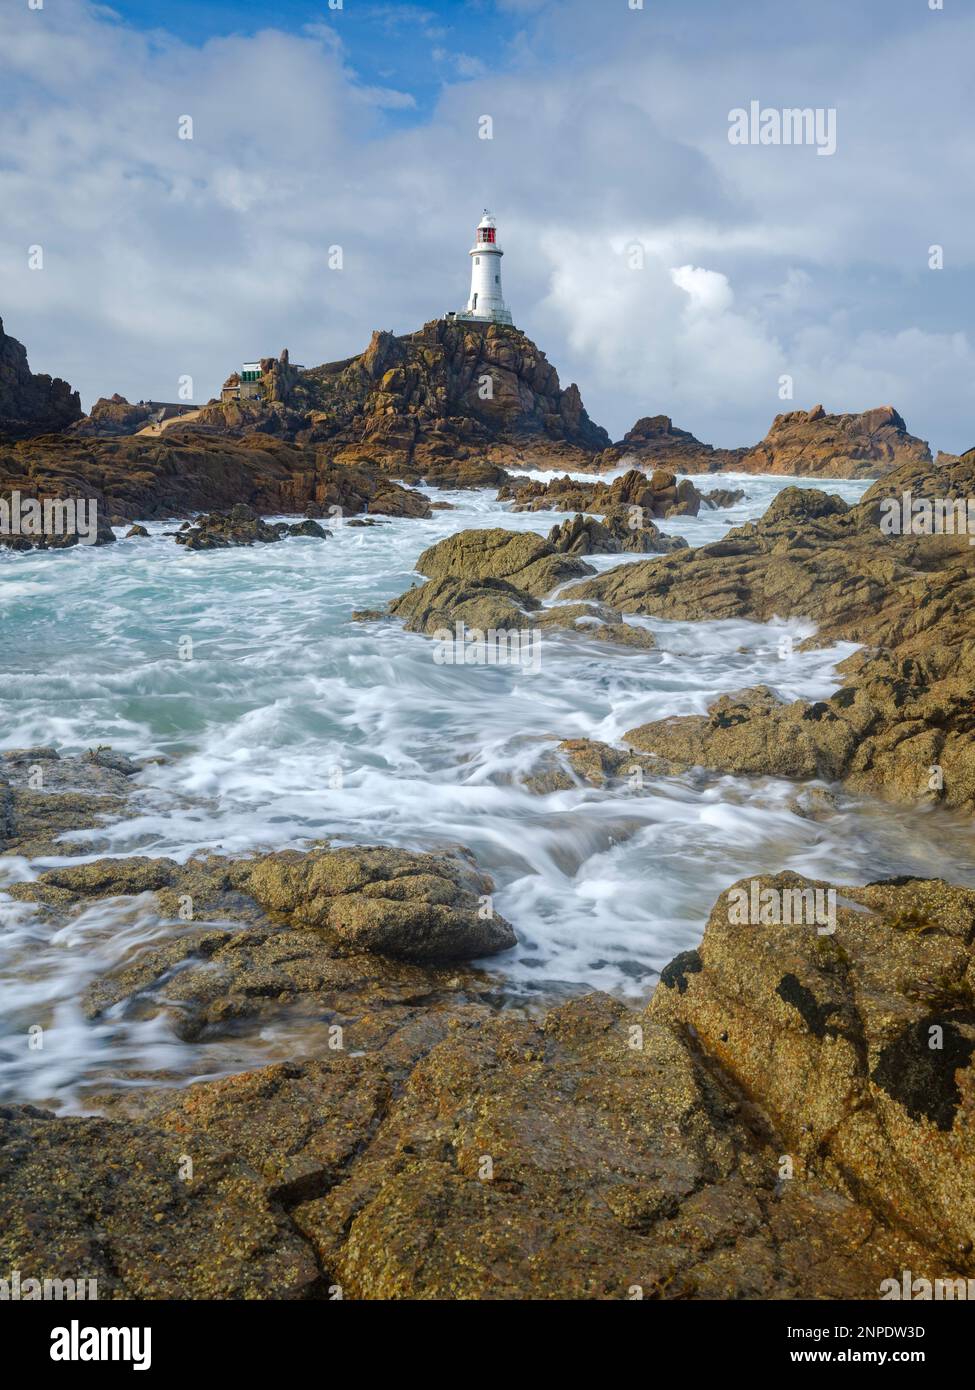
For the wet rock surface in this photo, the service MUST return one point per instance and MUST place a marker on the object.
(435, 1140)
(902, 726)
(391, 902)
(44, 796)
(657, 494)
(96, 1199)
(242, 526)
(617, 531)
(586, 1152)
(494, 580)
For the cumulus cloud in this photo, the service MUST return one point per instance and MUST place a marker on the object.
(165, 257)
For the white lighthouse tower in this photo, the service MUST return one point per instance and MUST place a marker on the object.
(486, 302)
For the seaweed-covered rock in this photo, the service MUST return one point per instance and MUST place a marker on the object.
(242, 526)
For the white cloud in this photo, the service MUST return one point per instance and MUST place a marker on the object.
(164, 256)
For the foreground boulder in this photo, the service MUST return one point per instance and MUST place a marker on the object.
(777, 1124)
(856, 1038)
(94, 1199)
(492, 581)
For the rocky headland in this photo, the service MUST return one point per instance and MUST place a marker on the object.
(31, 403)
(452, 404)
(141, 477)
(801, 442)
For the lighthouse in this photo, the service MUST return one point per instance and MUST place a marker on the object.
(486, 302)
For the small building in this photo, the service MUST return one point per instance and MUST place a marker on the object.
(248, 383)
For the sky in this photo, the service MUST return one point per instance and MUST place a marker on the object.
(662, 267)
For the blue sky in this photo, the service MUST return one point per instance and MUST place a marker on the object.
(315, 127)
(415, 48)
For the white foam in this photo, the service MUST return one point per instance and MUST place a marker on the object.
(602, 886)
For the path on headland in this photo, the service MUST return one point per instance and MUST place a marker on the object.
(160, 425)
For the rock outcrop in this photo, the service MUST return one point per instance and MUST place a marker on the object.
(44, 795)
(657, 494)
(142, 477)
(836, 446)
(855, 1037)
(453, 404)
(241, 526)
(111, 416)
(495, 581)
(31, 403)
(655, 442)
(902, 726)
(799, 443)
(621, 529)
